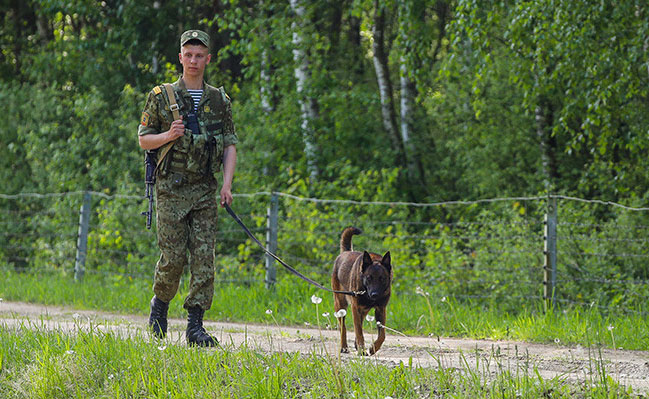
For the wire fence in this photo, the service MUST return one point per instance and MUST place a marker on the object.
(496, 251)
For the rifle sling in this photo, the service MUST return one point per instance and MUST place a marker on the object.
(173, 106)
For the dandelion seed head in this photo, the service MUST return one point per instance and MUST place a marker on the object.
(557, 340)
(325, 314)
(316, 299)
(162, 347)
(443, 299)
(369, 318)
(268, 311)
(610, 328)
(340, 314)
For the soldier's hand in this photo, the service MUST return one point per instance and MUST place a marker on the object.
(177, 129)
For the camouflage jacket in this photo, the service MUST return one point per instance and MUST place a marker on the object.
(195, 152)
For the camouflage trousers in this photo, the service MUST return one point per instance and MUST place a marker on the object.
(186, 221)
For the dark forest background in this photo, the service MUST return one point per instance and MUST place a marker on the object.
(402, 100)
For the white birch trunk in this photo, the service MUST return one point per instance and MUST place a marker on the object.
(307, 105)
(264, 87)
(380, 61)
(407, 97)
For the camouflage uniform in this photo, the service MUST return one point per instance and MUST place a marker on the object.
(186, 190)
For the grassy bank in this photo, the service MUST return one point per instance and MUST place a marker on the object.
(410, 313)
(49, 364)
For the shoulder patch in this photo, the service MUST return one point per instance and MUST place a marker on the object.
(144, 121)
(157, 90)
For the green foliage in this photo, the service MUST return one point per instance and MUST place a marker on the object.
(583, 63)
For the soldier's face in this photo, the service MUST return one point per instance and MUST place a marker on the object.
(194, 58)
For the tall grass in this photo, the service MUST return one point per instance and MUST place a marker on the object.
(414, 313)
(35, 363)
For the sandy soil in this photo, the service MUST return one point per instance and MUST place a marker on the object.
(573, 364)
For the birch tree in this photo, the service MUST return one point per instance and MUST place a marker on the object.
(422, 30)
(308, 104)
(380, 60)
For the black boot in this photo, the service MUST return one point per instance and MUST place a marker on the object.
(158, 317)
(196, 334)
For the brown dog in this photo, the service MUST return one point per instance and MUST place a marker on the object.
(361, 271)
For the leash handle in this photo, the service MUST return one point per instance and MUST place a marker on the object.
(288, 267)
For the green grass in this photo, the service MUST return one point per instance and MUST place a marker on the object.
(35, 363)
(409, 313)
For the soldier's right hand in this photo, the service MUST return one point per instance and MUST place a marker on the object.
(177, 129)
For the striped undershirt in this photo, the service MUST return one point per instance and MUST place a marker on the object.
(196, 96)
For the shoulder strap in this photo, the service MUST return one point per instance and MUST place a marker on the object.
(173, 106)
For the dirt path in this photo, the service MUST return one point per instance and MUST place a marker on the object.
(578, 364)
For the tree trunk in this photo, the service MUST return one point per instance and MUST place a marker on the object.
(354, 37)
(308, 105)
(544, 116)
(265, 89)
(264, 86)
(380, 59)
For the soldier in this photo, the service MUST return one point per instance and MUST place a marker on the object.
(189, 124)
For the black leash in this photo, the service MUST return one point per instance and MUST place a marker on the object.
(290, 268)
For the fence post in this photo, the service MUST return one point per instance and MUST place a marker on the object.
(550, 253)
(271, 239)
(82, 238)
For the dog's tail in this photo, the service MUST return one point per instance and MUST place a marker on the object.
(346, 238)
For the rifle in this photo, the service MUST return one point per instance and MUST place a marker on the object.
(150, 161)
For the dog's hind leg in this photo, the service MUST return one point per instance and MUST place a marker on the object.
(380, 318)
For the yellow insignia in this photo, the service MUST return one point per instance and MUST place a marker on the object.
(157, 90)
(145, 119)
(206, 109)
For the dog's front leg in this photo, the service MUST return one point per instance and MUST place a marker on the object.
(380, 318)
(343, 335)
(359, 341)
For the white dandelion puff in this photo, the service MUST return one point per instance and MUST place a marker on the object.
(316, 299)
(369, 318)
(268, 311)
(340, 314)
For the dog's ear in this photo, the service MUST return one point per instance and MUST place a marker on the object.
(367, 260)
(387, 261)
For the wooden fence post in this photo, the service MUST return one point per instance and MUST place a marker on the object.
(550, 254)
(271, 239)
(82, 238)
